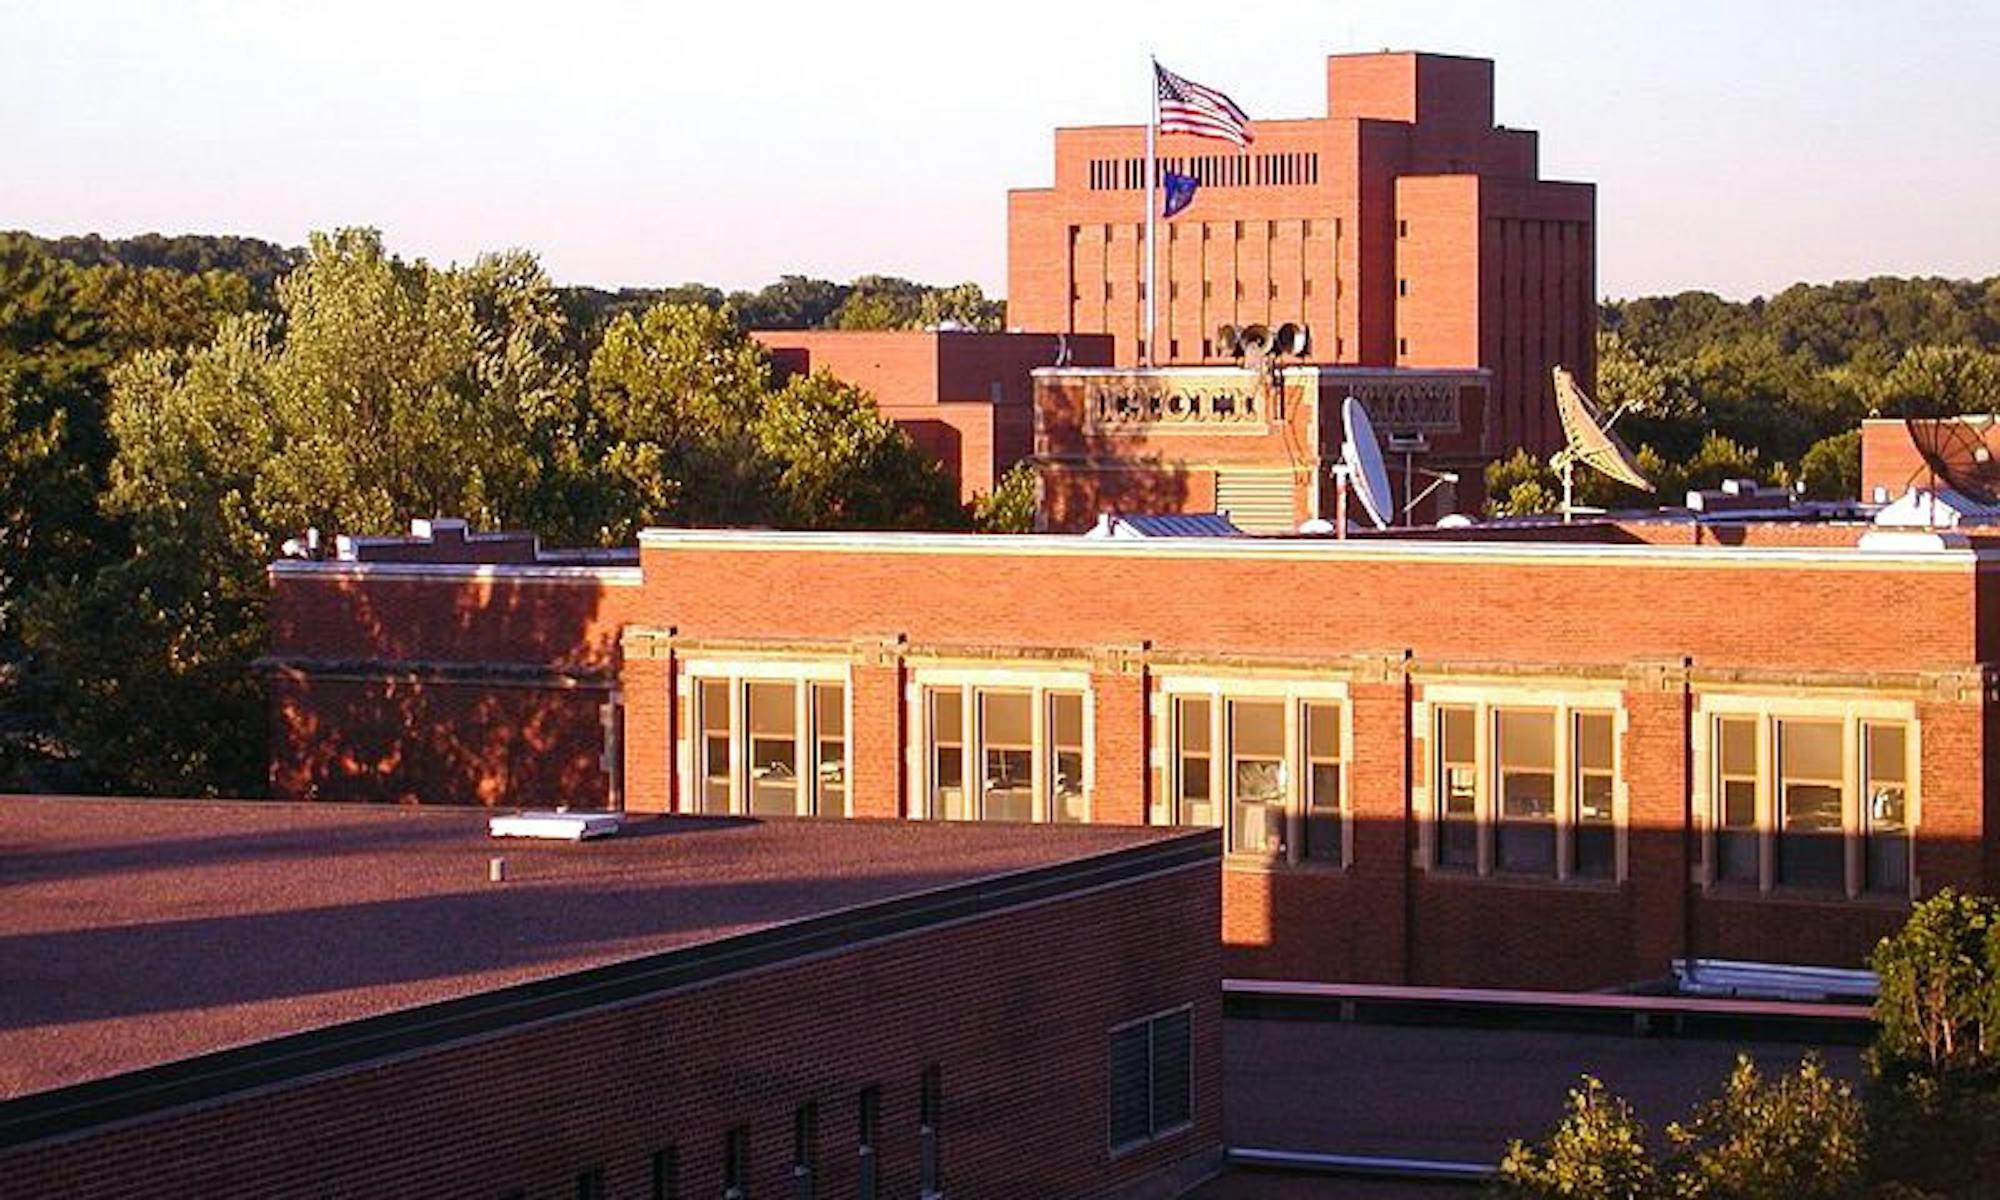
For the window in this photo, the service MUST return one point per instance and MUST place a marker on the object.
(1027, 744)
(772, 712)
(1007, 736)
(768, 744)
(667, 1174)
(805, 1149)
(947, 740)
(1402, 229)
(1737, 858)
(590, 1184)
(1526, 831)
(1810, 845)
(1525, 789)
(1193, 795)
(1820, 800)
(1402, 287)
(1402, 345)
(1323, 835)
(736, 1163)
(930, 1118)
(1066, 795)
(1257, 776)
(1150, 1067)
(1265, 768)
(1885, 816)
(1458, 789)
(1594, 852)
(867, 1136)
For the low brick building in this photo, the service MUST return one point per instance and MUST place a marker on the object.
(245, 999)
(1520, 755)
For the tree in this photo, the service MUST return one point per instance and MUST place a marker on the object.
(1597, 1151)
(839, 464)
(1011, 506)
(1798, 1137)
(1831, 468)
(1519, 485)
(881, 302)
(963, 305)
(1941, 381)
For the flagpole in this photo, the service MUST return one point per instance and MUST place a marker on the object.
(1152, 207)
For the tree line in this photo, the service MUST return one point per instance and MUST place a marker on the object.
(1775, 389)
(172, 410)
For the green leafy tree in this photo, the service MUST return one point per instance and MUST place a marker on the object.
(793, 302)
(1941, 381)
(839, 464)
(1798, 1137)
(1521, 484)
(963, 305)
(1831, 468)
(1011, 506)
(1597, 1151)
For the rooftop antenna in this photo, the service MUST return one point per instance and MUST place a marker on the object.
(1589, 440)
(1360, 468)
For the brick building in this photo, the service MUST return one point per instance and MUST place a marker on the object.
(282, 1000)
(963, 397)
(1404, 229)
(1521, 755)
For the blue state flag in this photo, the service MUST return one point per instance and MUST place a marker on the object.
(1179, 190)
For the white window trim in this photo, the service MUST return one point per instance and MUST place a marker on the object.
(1852, 713)
(1218, 690)
(1487, 701)
(968, 682)
(693, 672)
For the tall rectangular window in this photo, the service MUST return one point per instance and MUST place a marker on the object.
(930, 1118)
(1458, 788)
(805, 1150)
(1736, 853)
(771, 714)
(1007, 739)
(1193, 774)
(947, 754)
(867, 1138)
(1066, 795)
(1257, 776)
(1150, 1079)
(736, 1163)
(830, 748)
(1322, 800)
(667, 1174)
(712, 717)
(1810, 850)
(1526, 751)
(1594, 845)
(1885, 815)
(590, 1184)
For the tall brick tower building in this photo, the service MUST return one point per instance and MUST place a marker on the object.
(1404, 229)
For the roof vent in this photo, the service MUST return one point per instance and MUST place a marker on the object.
(558, 826)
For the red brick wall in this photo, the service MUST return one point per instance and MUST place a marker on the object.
(1014, 1008)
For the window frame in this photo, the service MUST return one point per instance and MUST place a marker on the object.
(1487, 703)
(1220, 693)
(1155, 1133)
(696, 675)
(1855, 715)
(971, 684)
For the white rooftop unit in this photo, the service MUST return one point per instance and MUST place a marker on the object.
(556, 826)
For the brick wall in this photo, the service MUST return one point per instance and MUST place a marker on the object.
(1013, 1007)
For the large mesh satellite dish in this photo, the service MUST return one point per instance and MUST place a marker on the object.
(1589, 441)
(1956, 453)
(1362, 455)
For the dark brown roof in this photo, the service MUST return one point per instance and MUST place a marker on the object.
(136, 932)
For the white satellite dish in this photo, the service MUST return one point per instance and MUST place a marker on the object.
(1588, 440)
(1363, 456)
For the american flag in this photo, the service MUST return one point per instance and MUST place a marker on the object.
(1188, 107)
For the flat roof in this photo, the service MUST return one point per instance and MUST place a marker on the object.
(141, 932)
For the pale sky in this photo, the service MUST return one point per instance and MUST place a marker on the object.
(1737, 146)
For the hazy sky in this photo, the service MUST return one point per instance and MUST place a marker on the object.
(1737, 146)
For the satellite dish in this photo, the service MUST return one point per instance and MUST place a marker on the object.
(1955, 451)
(1589, 441)
(1229, 341)
(1363, 456)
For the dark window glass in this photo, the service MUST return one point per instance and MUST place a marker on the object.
(1458, 789)
(1811, 852)
(590, 1184)
(1595, 851)
(1886, 821)
(1130, 1083)
(1736, 855)
(667, 1174)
